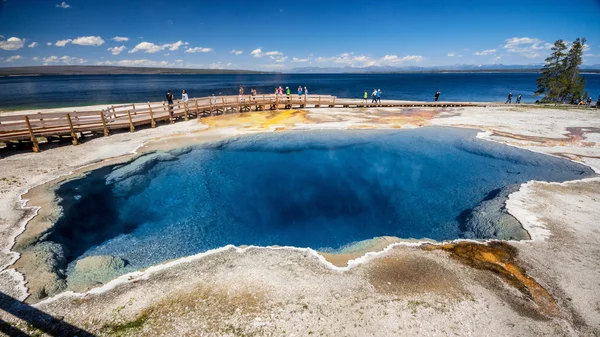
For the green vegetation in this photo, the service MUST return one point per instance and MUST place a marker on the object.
(560, 80)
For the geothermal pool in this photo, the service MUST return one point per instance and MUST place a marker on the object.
(318, 189)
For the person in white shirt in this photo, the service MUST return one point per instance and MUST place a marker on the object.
(184, 96)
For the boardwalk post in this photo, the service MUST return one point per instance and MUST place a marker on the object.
(276, 102)
(131, 127)
(211, 107)
(73, 135)
(185, 111)
(319, 104)
(152, 121)
(170, 111)
(238, 103)
(305, 100)
(291, 100)
(197, 108)
(114, 113)
(133, 105)
(223, 101)
(104, 123)
(34, 141)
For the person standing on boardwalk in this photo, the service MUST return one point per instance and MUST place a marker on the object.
(379, 96)
(287, 91)
(170, 102)
(365, 96)
(184, 96)
(253, 91)
(374, 96)
(241, 90)
(305, 91)
(519, 99)
(437, 96)
(509, 99)
(300, 90)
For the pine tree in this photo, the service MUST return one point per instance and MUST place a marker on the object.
(560, 80)
(549, 82)
(575, 84)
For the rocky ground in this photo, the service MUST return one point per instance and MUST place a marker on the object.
(545, 286)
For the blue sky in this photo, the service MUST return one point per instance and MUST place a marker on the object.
(280, 35)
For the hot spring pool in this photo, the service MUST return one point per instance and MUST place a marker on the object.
(318, 189)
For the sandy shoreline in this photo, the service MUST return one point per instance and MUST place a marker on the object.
(574, 135)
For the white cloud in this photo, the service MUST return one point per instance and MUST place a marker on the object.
(451, 54)
(50, 59)
(88, 41)
(82, 41)
(237, 52)
(35, 58)
(72, 60)
(116, 50)
(299, 60)
(62, 43)
(220, 65)
(13, 58)
(64, 59)
(147, 47)
(176, 45)
(257, 52)
(136, 63)
(199, 50)
(167, 54)
(33, 45)
(150, 48)
(352, 60)
(63, 5)
(120, 39)
(485, 52)
(12, 43)
(49, 44)
(526, 46)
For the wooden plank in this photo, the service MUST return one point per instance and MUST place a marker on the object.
(36, 147)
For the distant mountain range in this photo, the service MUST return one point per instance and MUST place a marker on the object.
(111, 70)
(448, 68)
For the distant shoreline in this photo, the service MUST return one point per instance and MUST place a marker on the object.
(110, 70)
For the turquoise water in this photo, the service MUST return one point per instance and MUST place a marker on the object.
(30, 92)
(318, 189)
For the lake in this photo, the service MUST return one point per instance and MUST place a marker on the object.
(32, 92)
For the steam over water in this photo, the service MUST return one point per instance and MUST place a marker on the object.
(318, 189)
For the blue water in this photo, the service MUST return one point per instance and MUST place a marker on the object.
(61, 91)
(319, 189)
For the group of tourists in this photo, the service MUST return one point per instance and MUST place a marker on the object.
(287, 91)
(375, 96)
(510, 96)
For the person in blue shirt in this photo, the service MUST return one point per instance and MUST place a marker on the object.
(299, 90)
(378, 95)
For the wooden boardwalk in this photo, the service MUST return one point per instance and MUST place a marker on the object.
(19, 128)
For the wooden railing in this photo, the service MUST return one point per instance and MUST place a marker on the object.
(29, 127)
